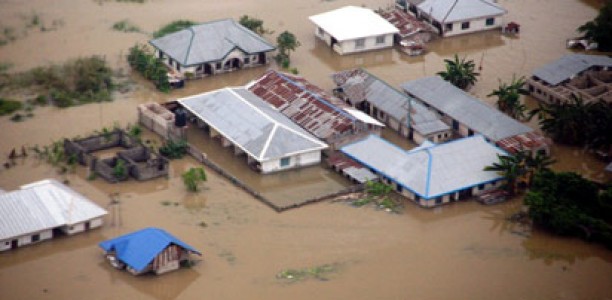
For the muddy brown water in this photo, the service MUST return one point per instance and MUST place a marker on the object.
(461, 251)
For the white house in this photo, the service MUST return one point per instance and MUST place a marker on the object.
(353, 29)
(432, 174)
(270, 140)
(454, 17)
(41, 210)
(211, 48)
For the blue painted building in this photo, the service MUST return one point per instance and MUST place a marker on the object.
(147, 250)
(431, 174)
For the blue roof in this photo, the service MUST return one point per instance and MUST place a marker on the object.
(139, 248)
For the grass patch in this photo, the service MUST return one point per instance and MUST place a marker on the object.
(378, 193)
(174, 149)
(125, 26)
(173, 26)
(8, 107)
(320, 273)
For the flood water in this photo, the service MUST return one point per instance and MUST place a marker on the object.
(459, 251)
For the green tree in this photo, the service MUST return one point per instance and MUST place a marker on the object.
(460, 72)
(508, 97)
(286, 42)
(193, 177)
(512, 167)
(253, 24)
(600, 29)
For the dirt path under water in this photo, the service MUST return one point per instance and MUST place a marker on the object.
(460, 251)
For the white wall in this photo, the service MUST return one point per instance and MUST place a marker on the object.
(299, 160)
(349, 46)
(26, 239)
(475, 25)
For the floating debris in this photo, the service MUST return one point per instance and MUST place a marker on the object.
(320, 273)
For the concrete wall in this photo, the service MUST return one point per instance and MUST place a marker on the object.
(349, 46)
(295, 161)
(26, 239)
(475, 25)
(217, 67)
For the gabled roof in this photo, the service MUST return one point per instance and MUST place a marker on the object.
(43, 205)
(352, 22)
(308, 105)
(139, 248)
(429, 171)
(446, 11)
(461, 106)
(251, 124)
(569, 65)
(359, 85)
(209, 42)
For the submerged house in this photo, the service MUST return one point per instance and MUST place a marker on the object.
(469, 116)
(147, 250)
(43, 210)
(324, 116)
(402, 113)
(454, 17)
(432, 174)
(211, 48)
(270, 140)
(352, 29)
(586, 76)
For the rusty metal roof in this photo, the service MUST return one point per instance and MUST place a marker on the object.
(405, 22)
(306, 104)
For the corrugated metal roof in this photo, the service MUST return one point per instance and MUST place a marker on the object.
(251, 124)
(430, 171)
(43, 205)
(446, 11)
(210, 42)
(359, 85)
(464, 108)
(139, 248)
(570, 65)
(352, 22)
(307, 105)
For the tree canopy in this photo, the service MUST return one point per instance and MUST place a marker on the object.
(508, 97)
(460, 72)
(253, 24)
(173, 26)
(600, 29)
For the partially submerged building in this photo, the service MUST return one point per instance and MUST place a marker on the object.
(402, 113)
(147, 250)
(212, 48)
(324, 116)
(432, 174)
(43, 210)
(469, 116)
(270, 140)
(454, 17)
(586, 76)
(413, 33)
(353, 29)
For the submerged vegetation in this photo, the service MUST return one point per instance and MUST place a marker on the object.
(378, 193)
(9, 106)
(125, 26)
(286, 42)
(142, 60)
(600, 29)
(254, 24)
(193, 177)
(30, 21)
(174, 149)
(509, 97)
(460, 72)
(319, 272)
(173, 26)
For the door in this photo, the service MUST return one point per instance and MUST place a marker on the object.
(14, 244)
(87, 226)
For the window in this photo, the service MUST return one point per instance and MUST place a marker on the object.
(380, 39)
(7, 243)
(449, 26)
(320, 31)
(285, 161)
(481, 187)
(35, 238)
(399, 188)
(247, 60)
(218, 65)
(439, 200)
(490, 21)
(359, 43)
(465, 25)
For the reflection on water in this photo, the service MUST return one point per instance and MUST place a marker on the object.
(367, 59)
(481, 41)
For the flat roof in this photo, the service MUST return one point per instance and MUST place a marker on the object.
(353, 22)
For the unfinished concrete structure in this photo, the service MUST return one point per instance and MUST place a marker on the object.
(136, 161)
(586, 76)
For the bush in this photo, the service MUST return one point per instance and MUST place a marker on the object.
(141, 60)
(125, 26)
(193, 177)
(173, 27)
(9, 106)
(174, 150)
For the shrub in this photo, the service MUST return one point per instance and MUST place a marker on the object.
(141, 60)
(9, 106)
(193, 177)
(173, 150)
(173, 27)
(125, 26)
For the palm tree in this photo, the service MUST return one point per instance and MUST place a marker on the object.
(566, 122)
(600, 29)
(538, 163)
(508, 97)
(512, 167)
(460, 72)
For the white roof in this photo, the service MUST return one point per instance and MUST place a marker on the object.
(352, 22)
(433, 170)
(447, 11)
(43, 205)
(251, 123)
(363, 117)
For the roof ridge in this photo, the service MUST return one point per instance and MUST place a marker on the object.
(251, 32)
(429, 163)
(449, 10)
(493, 5)
(190, 29)
(268, 141)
